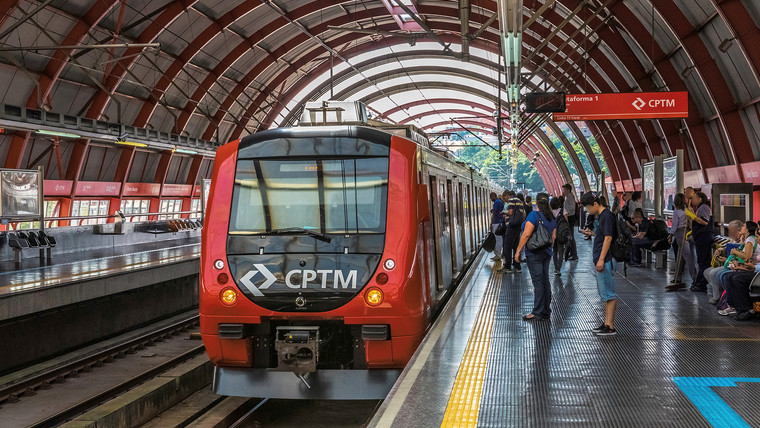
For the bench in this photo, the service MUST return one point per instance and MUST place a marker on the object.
(22, 240)
(660, 257)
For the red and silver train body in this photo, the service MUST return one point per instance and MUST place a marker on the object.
(326, 252)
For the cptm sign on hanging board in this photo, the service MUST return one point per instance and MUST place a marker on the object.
(635, 105)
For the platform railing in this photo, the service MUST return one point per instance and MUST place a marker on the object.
(118, 216)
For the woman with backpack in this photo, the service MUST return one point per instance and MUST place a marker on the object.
(538, 236)
(703, 234)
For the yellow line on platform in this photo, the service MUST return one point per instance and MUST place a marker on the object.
(464, 401)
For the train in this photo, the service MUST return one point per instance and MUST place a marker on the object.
(326, 252)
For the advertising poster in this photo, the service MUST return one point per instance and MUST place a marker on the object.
(648, 186)
(19, 193)
(669, 183)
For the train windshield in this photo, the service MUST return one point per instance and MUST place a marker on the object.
(336, 196)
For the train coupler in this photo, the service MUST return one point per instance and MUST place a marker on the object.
(297, 350)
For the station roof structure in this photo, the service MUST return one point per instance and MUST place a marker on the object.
(191, 75)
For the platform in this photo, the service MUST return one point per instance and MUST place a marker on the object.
(85, 275)
(674, 362)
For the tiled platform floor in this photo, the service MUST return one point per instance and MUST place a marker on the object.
(557, 373)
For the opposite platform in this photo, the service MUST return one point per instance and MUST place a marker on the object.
(674, 362)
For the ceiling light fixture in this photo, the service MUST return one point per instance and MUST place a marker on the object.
(58, 134)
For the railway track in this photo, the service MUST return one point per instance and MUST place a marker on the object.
(44, 379)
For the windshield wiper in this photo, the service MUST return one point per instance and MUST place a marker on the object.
(301, 230)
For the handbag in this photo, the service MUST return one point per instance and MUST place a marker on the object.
(540, 238)
(490, 243)
(501, 229)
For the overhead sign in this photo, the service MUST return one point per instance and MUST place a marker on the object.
(545, 102)
(635, 105)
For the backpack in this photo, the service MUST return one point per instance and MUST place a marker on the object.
(517, 218)
(621, 245)
(490, 243)
(662, 229)
(563, 230)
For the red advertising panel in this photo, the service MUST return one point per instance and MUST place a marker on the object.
(751, 172)
(97, 188)
(635, 105)
(142, 189)
(197, 191)
(723, 174)
(177, 190)
(693, 179)
(57, 188)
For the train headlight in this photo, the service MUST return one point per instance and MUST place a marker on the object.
(219, 264)
(228, 296)
(373, 296)
(390, 264)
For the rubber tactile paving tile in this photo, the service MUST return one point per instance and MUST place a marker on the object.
(557, 373)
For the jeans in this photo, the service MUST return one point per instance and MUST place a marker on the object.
(605, 283)
(738, 290)
(538, 266)
(688, 260)
(511, 241)
(711, 274)
(703, 242)
(724, 279)
(499, 241)
(636, 245)
(571, 250)
(559, 254)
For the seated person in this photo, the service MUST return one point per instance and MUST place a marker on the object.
(645, 235)
(713, 274)
(736, 283)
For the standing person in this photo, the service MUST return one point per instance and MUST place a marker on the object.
(604, 233)
(634, 204)
(563, 232)
(528, 204)
(515, 219)
(616, 202)
(570, 211)
(538, 260)
(688, 193)
(677, 238)
(703, 234)
(496, 219)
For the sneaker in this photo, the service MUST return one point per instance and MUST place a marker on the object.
(726, 312)
(698, 289)
(635, 264)
(557, 273)
(746, 316)
(713, 301)
(598, 329)
(572, 259)
(504, 270)
(607, 331)
(494, 258)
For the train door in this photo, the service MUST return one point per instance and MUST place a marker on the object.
(471, 221)
(456, 251)
(465, 220)
(439, 213)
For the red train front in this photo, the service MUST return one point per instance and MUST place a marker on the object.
(304, 268)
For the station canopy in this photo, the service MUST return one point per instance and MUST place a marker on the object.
(217, 70)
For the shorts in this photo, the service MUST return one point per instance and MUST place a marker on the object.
(605, 283)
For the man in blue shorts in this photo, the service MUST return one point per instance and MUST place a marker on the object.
(604, 234)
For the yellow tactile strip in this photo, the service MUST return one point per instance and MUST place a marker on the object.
(464, 401)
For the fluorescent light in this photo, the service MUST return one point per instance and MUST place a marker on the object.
(58, 134)
(189, 152)
(131, 143)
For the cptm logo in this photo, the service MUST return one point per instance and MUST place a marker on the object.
(306, 276)
(639, 103)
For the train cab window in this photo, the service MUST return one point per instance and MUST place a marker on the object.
(342, 196)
